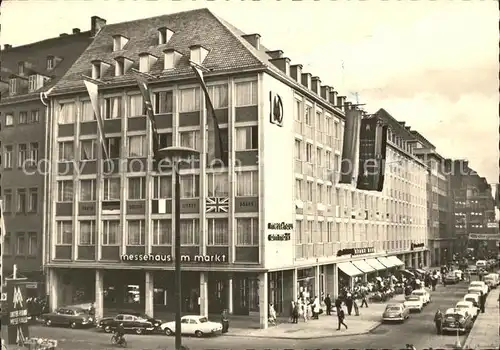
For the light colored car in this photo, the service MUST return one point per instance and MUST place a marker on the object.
(475, 290)
(469, 307)
(492, 280)
(414, 303)
(473, 298)
(193, 325)
(395, 312)
(482, 263)
(480, 284)
(426, 297)
(458, 273)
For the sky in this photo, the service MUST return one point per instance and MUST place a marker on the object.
(432, 64)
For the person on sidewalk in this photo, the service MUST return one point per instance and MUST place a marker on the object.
(364, 294)
(316, 306)
(341, 318)
(328, 304)
(272, 315)
(356, 308)
(292, 306)
(338, 304)
(438, 321)
(482, 301)
(224, 319)
(348, 303)
(295, 312)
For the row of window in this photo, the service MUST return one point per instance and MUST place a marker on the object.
(27, 153)
(23, 244)
(23, 117)
(247, 185)
(189, 100)
(26, 200)
(247, 232)
(320, 158)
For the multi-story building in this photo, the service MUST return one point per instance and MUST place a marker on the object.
(27, 71)
(439, 201)
(280, 220)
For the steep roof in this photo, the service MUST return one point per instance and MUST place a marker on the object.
(227, 51)
(68, 48)
(394, 124)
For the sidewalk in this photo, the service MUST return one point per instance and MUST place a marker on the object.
(484, 334)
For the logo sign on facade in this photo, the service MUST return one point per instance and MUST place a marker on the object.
(483, 237)
(356, 251)
(279, 237)
(283, 226)
(279, 226)
(492, 225)
(17, 311)
(275, 109)
(416, 245)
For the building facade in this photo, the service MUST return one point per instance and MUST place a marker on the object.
(267, 227)
(27, 72)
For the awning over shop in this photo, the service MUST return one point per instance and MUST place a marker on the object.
(420, 271)
(363, 266)
(395, 260)
(384, 261)
(375, 264)
(349, 269)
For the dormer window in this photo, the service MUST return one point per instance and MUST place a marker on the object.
(198, 54)
(33, 82)
(50, 62)
(13, 86)
(119, 41)
(122, 66)
(146, 61)
(20, 67)
(164, 35)
(171, 58)
(99, 68)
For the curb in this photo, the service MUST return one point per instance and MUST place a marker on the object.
(466, 341)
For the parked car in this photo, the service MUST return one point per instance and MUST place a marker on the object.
(414, 303)
(193, 325)
(132, 322)
(396, 312)
(459, 274)
(69, 316)
(457, 320)
(480, 284)
(491, 280)
(451, 278)
(469, 307)
(424, 294)
(475, 290)
(473, 270)
(481, 264)
(473, 298)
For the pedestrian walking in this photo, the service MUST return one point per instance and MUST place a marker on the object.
(224, 318)
(356, 308)
(328, 304)
(364, 301)
(338, 304)
(438, 320)
(341, 318)
(295, 312)
(348, 303)
(482, 301)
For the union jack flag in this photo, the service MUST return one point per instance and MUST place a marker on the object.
(217, 204)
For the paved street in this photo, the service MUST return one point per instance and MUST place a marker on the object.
(419, 331)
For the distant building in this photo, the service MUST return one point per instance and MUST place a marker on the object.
(27, 72)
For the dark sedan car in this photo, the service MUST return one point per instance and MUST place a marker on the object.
(69, 316)
(132, 322)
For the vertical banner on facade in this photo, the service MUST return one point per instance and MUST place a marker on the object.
(17, 312)
(350, 149)
(93, 91)
(383, 157)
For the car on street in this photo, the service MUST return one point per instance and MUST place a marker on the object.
(451, 278)
(481, 264)
(475, 290)
(491, 280)
(414, 303)
(457, 320)
(196, 325)
(424, 294)
(469, 307)
(473, 298)
(132, 322)
(459, 274)
(480, 284)
(473, 270)
(69, 316)
(395, 312)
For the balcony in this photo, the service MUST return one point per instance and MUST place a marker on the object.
(308, 132)
(298, 127)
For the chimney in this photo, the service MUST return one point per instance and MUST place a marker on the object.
(306, 80)
(7, 46)
(348, 106)
(340, 102)
(96, 24)
(62, 35)
(296, 72)
(283, 64)
(316, 85)
(275, 54)
(197, 54)
(76, 30)
(253, 39)
(333, 96)
(325, 91)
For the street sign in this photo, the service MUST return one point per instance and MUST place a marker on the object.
(492, 225)
(483, 237)
(17, 312)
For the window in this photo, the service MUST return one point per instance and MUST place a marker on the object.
(297, 111)
(112, 189)
(298, 189)
(309, 191)
(7, 197)
(190, 232)
(65, 191)
(165, 139)
(164, 102)
(13, 86)
(66, 151)
(32, 83)
(22, 154)
(298, 149)
(21, 201)
(135, 106)
(190, 186)
(33, 200)
(136, 188)
(23, 117)
(189, 100)
(246, 93)
(50, 63)
(328, 159)
(309, 153)
(319, 121)
(33, 152)
(218, 231)
(137, 146)
(307, 115)
(88, 114)
(64, 233)
(247, 138)
(247, 183)
(162, 232)
(247, 232)
(7, 244)
(218, 95)
(8, 157)
(66, 113)
(32, 244)
(110, 232)
(136, 232)
(88, 150)
(319, 191)
(87, 232)
(87, 190)
(162, 187)
(319, 157)
(190, 139)
(20, 244)
(113, 107)
(9, 120)
(113, 146)
(218, 185)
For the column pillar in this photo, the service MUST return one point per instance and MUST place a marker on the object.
(317, 292)
(335, 281)
(230, 295)
(295, 287)
(149, 294)
(204, 294)
(263, 301)
(329, 279)
(99, 294)
(53, 290)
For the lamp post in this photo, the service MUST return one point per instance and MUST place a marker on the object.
(175, 155)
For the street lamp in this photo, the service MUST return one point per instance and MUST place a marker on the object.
(175, 155)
